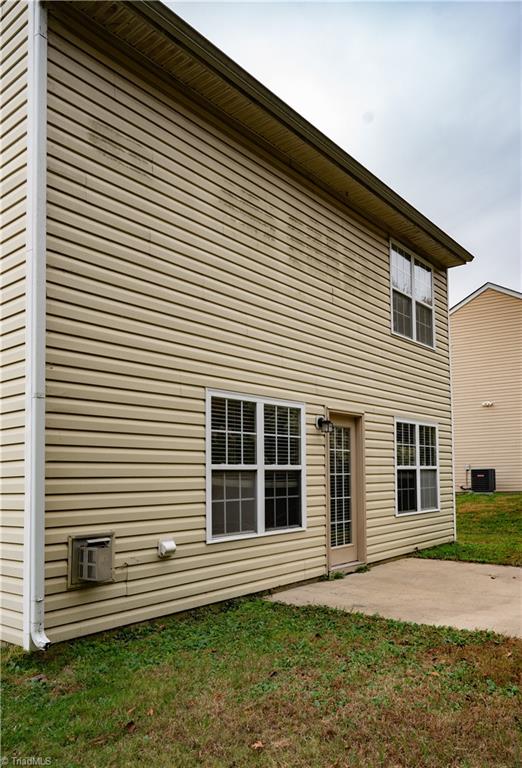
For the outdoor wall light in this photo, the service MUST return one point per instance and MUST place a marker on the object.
(324, 425)
(487, 404)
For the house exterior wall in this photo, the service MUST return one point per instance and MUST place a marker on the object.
(13, 45)
(486, 335)
(181, 258)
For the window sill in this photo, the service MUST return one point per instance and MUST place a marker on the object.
(244, 536)
(414, 341)
(419, 512)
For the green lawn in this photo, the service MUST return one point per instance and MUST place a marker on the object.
(489, 530)
(254, 683)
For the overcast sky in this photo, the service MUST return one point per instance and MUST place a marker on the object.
(426, 95)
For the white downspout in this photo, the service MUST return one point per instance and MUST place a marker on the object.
(34, 511)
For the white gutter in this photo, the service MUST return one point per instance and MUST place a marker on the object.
(34, 511)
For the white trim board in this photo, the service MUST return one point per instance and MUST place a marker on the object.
(485, 287)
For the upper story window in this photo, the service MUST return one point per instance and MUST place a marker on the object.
(412, 296)
(255, 460)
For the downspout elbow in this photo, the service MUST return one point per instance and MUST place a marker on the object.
(40, 640)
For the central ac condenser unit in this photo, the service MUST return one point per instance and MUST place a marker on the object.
(483, 480)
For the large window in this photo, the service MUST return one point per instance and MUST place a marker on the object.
(416, 467)
(412, 296)
(255, 466)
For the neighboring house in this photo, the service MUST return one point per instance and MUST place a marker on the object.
(486, 357)
(194, 275)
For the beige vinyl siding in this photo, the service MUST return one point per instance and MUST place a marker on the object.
(180, 258)
(487, 365)
(13, 46)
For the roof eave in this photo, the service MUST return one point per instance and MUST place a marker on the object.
(485, 287)
(303, 146)
(206, 51)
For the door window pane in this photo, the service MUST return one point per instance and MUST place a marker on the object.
(340, 487)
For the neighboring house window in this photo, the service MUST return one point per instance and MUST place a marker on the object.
(255, 458)
(412, 296)
(416, 466)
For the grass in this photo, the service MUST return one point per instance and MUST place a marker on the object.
(489, 530)
(253, 683)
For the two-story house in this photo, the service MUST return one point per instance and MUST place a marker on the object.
(226, 353)
(486, 364)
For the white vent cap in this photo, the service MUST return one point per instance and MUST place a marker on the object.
(166, 547)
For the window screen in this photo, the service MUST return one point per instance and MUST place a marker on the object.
(282, 499)
(233, 502)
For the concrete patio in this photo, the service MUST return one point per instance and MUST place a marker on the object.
(443, 593)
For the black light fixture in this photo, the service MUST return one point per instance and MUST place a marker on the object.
(324, 425)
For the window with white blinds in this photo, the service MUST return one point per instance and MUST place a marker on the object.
(255, 466)
(412, 296)
(416, 456)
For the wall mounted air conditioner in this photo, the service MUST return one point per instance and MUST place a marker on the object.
(91, 560)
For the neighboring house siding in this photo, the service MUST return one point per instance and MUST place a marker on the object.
(486, 335)
(13, 144)
(179, 258)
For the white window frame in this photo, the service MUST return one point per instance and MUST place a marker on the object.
(259, 467)
(417, 467)
(413, 258)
